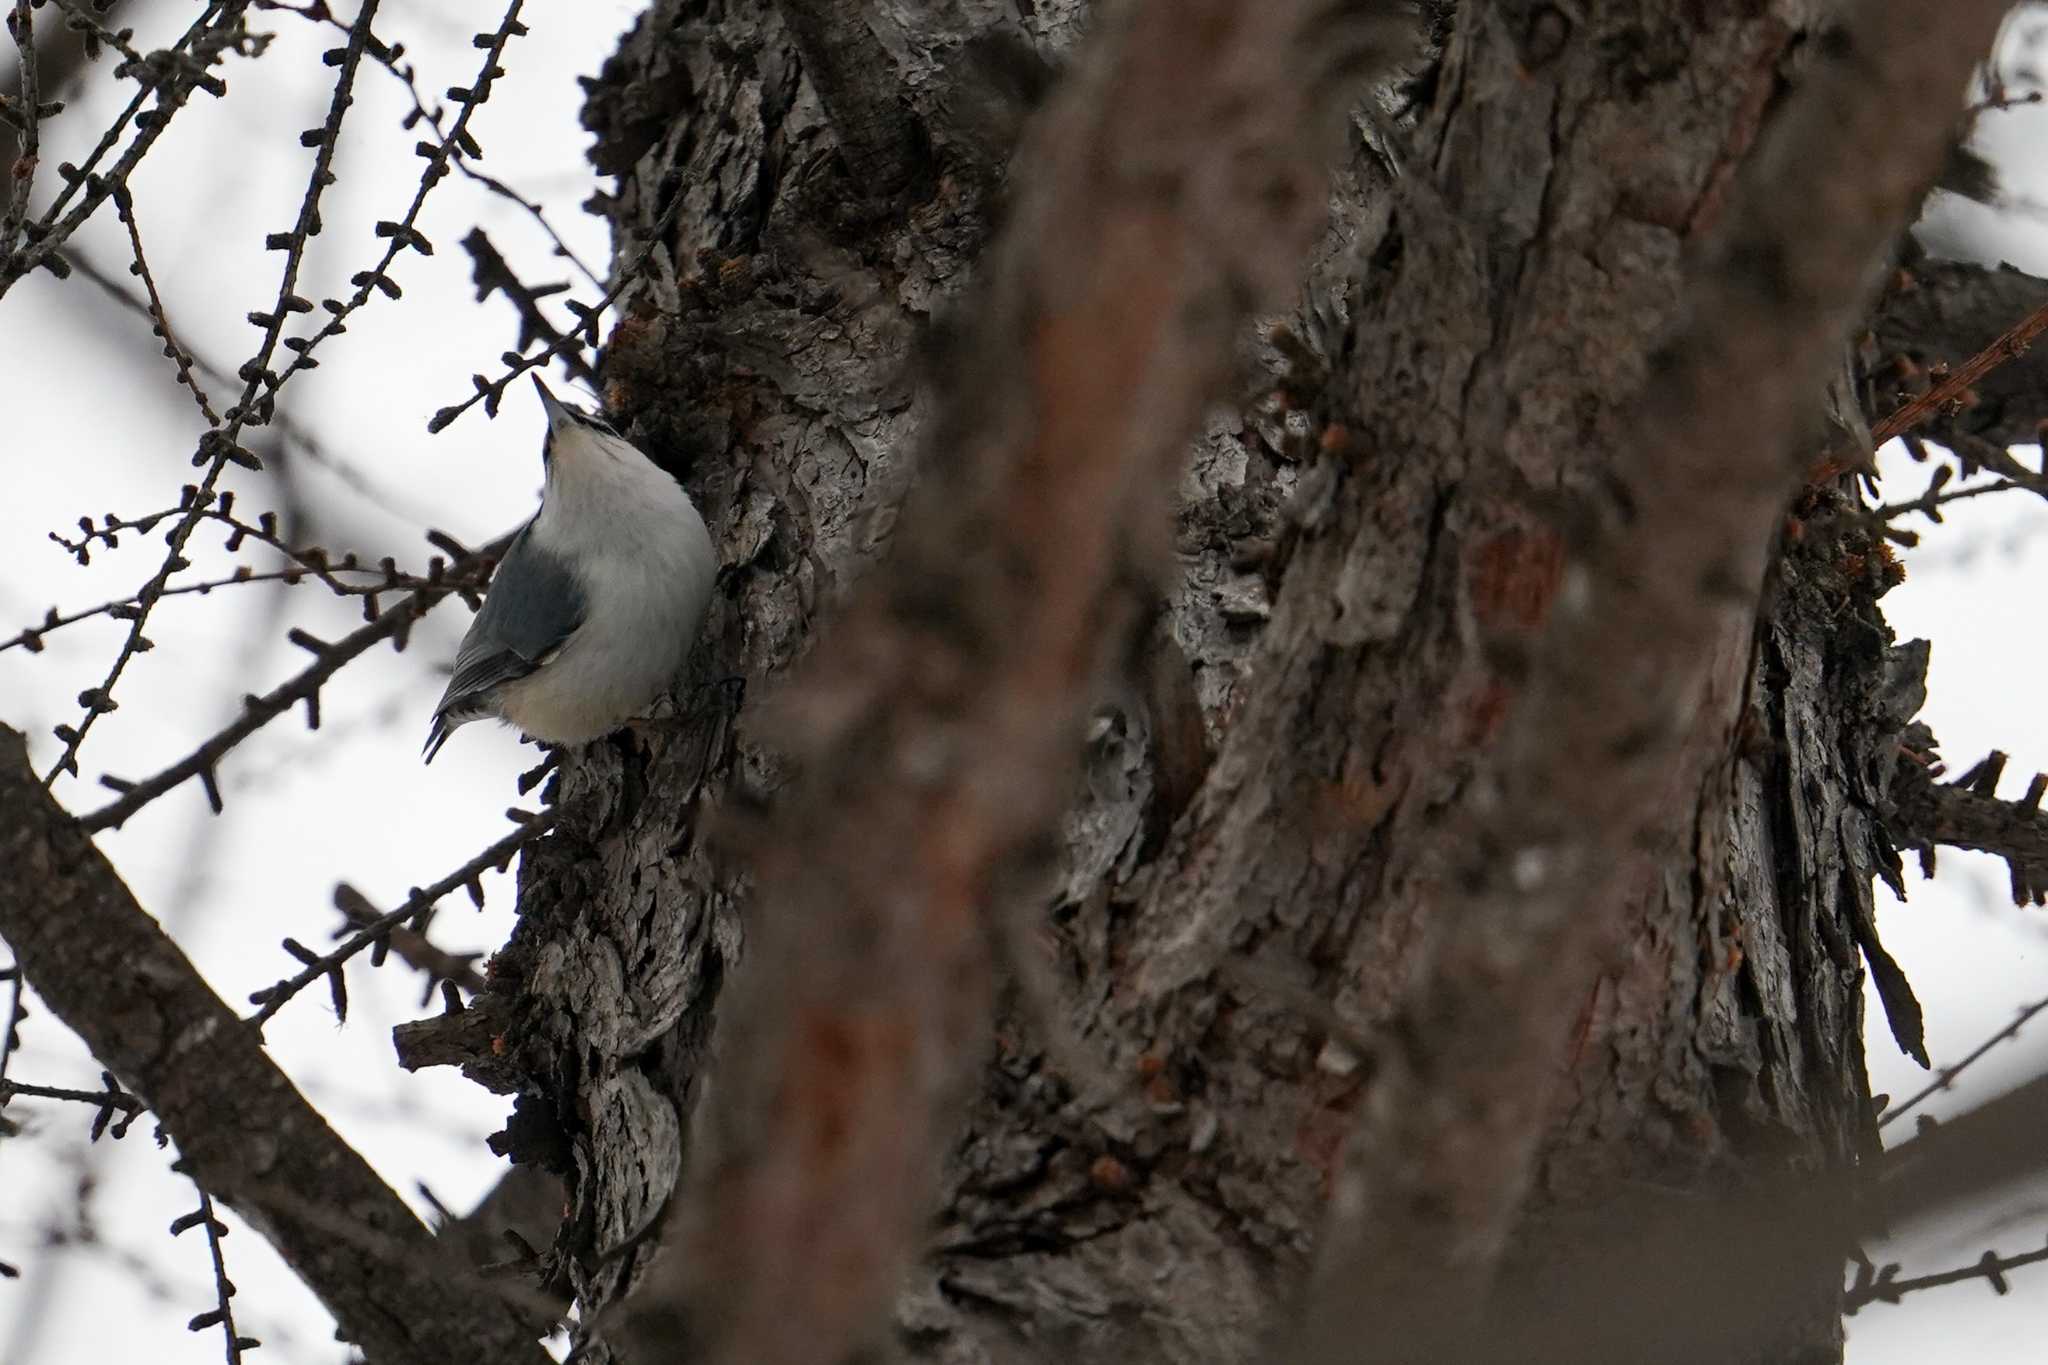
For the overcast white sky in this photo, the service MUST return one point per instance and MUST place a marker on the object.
(94, 424)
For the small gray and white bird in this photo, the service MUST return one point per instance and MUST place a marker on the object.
(596, 603)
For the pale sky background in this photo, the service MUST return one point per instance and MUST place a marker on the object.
(95, 424)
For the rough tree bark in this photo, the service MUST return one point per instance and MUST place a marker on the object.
(1247, 873)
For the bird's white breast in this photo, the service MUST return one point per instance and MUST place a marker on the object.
(641, 553)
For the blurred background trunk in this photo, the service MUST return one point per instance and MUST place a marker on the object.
(1248, 867)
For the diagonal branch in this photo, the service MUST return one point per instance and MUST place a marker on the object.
(1884, 1286)
(1937, 314)
(108, 971)
(491, 274)
(1947, 1163)
(2015, 341)
(377, 929)
(1946, 1077)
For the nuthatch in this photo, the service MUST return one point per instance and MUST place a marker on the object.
(595, 605)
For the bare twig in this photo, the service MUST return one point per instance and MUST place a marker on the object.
(393, 623)
(1968, 813)
(1956, 387)
(1938, 495)
(305, 563)
(490, 392)
(110, 1101)
(456, 148)
(1939, 309)
(403, 233)
(222, 1314)
(288, 430)
(498, 856)
(28, 120)
(124, 206)
(1947, 1075)
(31, 637)
(1875, 1284)
(452, 149)
(412, 945)
(491, 275)
(171, 75)
(84, 20)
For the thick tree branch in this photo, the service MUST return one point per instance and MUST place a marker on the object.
(1595, 775)
(108, 971)
(1171, 190)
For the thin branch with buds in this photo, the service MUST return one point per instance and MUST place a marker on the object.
(222, 1314)
(289, 432)
(171, 74)
(28, 118)
(394, 624)
(401, 234)
(491, 274)
(305, 563)
(124, 207)
(1968, 813)
(111, 1101)
(1947, 1075)
(415, 906)
(1874, 1284)
(218, 448)
(490, 392)
(1956, 387)
(414, 948)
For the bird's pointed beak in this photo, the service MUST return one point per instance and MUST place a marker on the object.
(556, 412)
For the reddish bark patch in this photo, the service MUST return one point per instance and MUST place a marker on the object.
(1320, 1138)
(1485, 712)
(1110, 1175)
(1513, 577)
(843, 1063)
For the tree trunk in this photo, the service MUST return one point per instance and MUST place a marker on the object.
(1248, 870)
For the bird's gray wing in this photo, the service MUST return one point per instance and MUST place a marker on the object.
(515, 632)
